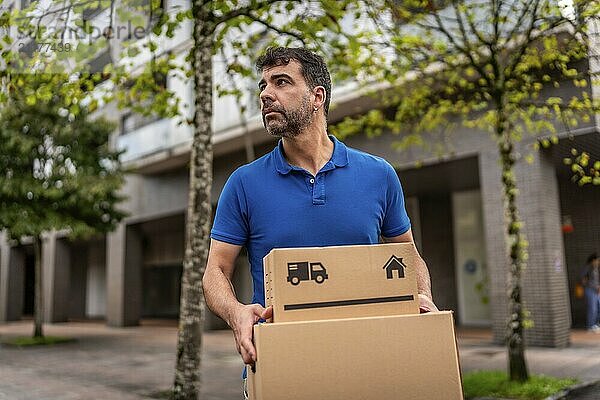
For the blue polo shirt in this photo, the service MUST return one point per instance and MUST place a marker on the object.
(354, 199)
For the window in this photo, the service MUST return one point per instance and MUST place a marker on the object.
(134, 121)
(100, 61)
(151, 16)
(157, 13)
(128, 123)
(29, 48)
(7, 5)
(93, 9)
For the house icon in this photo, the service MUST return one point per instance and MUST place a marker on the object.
(394, 264)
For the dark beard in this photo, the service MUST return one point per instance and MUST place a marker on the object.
(294, 121)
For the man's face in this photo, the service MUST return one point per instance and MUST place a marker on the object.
(285, 100)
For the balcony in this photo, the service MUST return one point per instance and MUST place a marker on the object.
(146, 140)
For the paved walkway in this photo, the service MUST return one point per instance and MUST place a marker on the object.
(581, 359)
(132, 363)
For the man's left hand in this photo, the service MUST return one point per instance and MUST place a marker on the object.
(426, 304)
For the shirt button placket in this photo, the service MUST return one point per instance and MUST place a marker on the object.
(318, 190)
(311, 184)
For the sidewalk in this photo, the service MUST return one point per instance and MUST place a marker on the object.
(132, 363)
(580, 360)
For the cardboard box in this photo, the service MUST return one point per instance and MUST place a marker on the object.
(319, 283)
(379, 358)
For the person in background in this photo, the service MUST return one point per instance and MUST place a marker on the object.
(591, 283)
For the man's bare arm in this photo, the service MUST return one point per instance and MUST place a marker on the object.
(423, 280)
(218, 288)
(220, 297)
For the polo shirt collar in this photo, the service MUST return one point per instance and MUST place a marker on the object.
(339, 158)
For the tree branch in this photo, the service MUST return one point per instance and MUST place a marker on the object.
(529, 37)
(276, 29)
(496, 18)
(250, 154)
(463, 31)
(62, 35)
(56, 10)
(474, 29)
(521, 18)
(466, 51)
(373, 14)
(247, 10)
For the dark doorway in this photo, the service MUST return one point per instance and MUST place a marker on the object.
(161, 289)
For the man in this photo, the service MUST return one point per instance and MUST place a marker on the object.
(311, 190)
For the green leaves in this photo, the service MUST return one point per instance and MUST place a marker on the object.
(55, 170)
(478, 64)
(585, 170)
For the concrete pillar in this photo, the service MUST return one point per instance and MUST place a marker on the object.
(495, 243)
(124, 277)
(546, 293)
(545, 289)
(12, 280)
(56, 265)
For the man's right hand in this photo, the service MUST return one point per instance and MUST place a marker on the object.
(242, 322)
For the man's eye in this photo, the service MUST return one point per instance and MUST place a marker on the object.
(281, 81)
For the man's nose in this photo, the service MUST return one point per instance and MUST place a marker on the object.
(266, 96)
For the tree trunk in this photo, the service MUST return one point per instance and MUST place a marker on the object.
(191, 314)
(518, 253)
(38, 312)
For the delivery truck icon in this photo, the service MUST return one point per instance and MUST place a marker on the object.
(304, 271)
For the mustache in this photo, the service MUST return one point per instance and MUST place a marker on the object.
(272, 108)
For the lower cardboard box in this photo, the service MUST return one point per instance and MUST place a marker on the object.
(390, 357)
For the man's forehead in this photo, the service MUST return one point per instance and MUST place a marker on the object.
(293, 69)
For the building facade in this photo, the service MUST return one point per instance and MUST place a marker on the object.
(454, 201)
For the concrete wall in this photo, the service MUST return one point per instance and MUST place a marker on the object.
(12, 280)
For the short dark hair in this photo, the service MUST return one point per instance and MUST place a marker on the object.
(592, 257)
(313, 67)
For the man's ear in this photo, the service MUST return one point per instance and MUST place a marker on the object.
(320, 97)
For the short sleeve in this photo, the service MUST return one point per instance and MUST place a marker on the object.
(231, 218)
(395, 221)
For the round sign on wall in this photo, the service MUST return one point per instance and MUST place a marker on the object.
(471, 266)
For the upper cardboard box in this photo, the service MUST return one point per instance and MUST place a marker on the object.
(316, 283)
